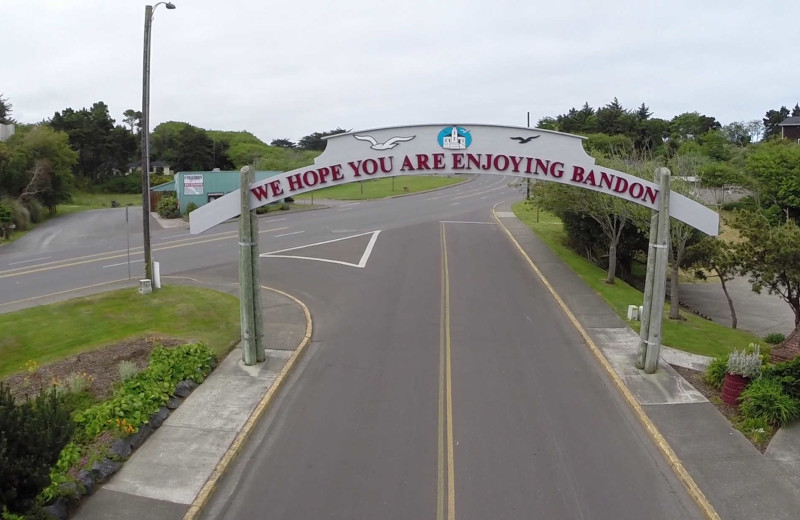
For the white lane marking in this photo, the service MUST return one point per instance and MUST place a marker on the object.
(479, 193)
(466, 222)
(349, 204)
(123, 263)
(361, 263)
(276, 219)
(455, 203)
(484, 197)
(343, 230)
(344, 209)
(176, 236)
(505, 214)
(31, 260)
(287, 234)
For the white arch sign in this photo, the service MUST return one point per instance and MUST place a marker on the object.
(529, 153)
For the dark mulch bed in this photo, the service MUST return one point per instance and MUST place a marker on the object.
(696, 379)
(99, 364)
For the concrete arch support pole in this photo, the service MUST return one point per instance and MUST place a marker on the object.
(246, 302)
(655, 283)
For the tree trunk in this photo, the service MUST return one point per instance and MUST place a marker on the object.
(730, 302)
(674, 300)
(612, 263)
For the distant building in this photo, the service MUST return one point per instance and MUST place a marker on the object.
(6, 131)
(156, 168)
(790, 128)
(203, 187)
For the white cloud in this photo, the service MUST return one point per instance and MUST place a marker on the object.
(286, 69)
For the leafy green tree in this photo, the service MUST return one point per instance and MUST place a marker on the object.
(719, 177)
(91, 134)
(612, 214)
(613, 119)
(775, 167)
(681, 237)
(770, 256)
(283, 143)
(133, 118)
(692, 125)
(5, 111)
(721, 259)
(772, 119)
(194, 150)
(737, 133)
(548, 123)
(315, 141)
(36, 163)
(796, 110)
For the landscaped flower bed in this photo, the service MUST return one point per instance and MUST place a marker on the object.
(95, 436)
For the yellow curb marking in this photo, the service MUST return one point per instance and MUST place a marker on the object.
(666, 450)
(207, 490)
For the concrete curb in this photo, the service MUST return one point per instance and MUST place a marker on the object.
(233, 451)
(666, 450)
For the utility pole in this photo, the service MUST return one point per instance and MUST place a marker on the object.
(148, 23)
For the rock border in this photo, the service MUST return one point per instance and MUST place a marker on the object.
(88, 481)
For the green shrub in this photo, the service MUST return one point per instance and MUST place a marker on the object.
(121, 184)
(143, 394)
(168, 207)
(774, 338)
(127, 369)
(757, 429)
(788, 373)
(765, 398)
(190, 207)
(285, 206)
(35, 210)
(715, 373)
(5, 212)
(32, 435)
(20, 215)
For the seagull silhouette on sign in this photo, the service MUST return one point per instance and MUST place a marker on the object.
(523, 140)
(388, 145)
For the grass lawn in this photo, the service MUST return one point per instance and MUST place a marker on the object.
(379, 188)
(85, 201)
(692, 334)
(50, 332)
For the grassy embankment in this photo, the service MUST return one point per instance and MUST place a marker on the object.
(691, 334)
(380, 188)
(51, 332)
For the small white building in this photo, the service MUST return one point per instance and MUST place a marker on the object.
(6, 131)
(455, 141)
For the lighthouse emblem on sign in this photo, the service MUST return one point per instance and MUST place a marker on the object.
(454, 138)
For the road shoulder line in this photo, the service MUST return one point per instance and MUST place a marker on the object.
(230, 455)
(666, 450)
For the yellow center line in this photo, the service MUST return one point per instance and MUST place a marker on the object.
(118, 254)
(445, 399)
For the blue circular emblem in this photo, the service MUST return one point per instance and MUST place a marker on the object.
(454, 138)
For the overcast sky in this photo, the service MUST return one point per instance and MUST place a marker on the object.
(289, 68)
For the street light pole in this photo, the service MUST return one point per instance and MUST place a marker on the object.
(148, 22)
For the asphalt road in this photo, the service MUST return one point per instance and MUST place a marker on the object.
(442, 381)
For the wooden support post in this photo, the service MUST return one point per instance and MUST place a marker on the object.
(246, 306)
(644, 330)
(659, 277)
(259, 319)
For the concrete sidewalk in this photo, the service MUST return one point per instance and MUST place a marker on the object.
(165, 476)
(737, 480)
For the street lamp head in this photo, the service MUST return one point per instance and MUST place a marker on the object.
(170, 5)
